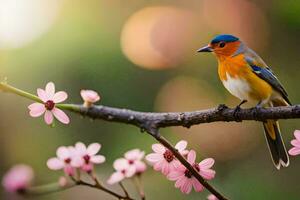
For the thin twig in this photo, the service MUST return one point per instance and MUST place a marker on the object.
(124, 189)
(139, 186)
(46, 189)
(97, 185)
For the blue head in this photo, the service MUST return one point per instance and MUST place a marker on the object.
(224, 38)
(222, 45)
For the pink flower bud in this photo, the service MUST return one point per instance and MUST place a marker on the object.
(89, 97)
(18, 178)
(62, 181)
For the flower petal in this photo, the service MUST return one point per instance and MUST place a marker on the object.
(198, 187)
(158, 148)
(42, 95)
(206, 163)
(154, 157)
(297, 134)
(295, 143)
(60, 115)
(60, 97)
(48, 117)
(134, 154)
(115, 178)
(93, 149)
(121, 164)
(55, 164)
(181, 145)
(294, 151)
(77, 161)
(63, 153)
(130, 172)
(191, 157)
(80, 148)
(181, 181)
(98, 159)
(36, 109)
(175, 175)
(158, 166)
(50, 90)
(187, 186)
(208, 174)
(140, 166)
(212, 197)
(166, 168)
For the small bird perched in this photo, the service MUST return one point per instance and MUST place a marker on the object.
(246, 76)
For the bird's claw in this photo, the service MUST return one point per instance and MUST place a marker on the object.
(237, 109)
(235, 113)
(255, 110)
(221, 107)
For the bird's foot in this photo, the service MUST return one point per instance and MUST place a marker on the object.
(256, 109)
(237, 109)
(221, 107)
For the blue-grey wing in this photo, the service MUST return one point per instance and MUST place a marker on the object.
(265, 73)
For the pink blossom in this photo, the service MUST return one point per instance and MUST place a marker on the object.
(212, 197)
(48, 107)
(65, 156)
(89, 97)
(62, 181)
(123, 170)
(163, 159)
(86, 156)
(134, 158)
(18, 178)
(296, 143)
(184, 178)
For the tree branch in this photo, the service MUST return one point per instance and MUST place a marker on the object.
(144, 120)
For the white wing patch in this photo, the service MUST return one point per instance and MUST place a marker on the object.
(237, 87)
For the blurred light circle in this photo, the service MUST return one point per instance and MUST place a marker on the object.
(22, 21)
(158, 37)
(222, 141)
(238, 17)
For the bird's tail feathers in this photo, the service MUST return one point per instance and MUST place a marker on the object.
(275, 143)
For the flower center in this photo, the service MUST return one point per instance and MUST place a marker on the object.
(49, 105)
(123, 171)
(168, 155)
(86, 158)
(68, 160)
(130, 162)
(189, 174)
(196, 167)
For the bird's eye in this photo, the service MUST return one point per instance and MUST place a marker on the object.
(222, 44)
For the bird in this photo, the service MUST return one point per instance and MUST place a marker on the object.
(246, 76)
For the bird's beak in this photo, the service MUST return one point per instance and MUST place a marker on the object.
(205, 49)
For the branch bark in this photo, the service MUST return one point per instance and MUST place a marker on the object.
(145, 120)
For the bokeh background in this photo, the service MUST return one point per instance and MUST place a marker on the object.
(141, 55)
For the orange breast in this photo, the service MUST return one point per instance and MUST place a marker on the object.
(236, 67)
